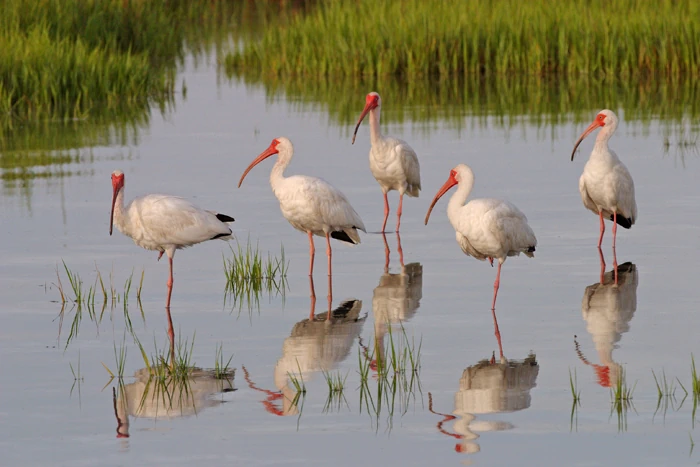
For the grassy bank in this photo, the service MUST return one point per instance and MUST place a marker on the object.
(442, 38)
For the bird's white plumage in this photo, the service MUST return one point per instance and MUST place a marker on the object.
(166, 223)
(392, 161)
(606, 185)
(488, 227)
(311, 203)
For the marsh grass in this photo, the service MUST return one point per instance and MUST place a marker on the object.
(249, 274)
(443, 39)
(297, 380)
(93, 299)
(397, 379)
(621, 400)
(575, 400)
(336, 391)
(222, 369)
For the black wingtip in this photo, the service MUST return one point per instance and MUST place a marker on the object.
(342, 236)
(225, 218)
(622, 221)
(531, 249)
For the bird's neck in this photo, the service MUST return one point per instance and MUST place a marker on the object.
(464, 188)
(277, 173)
(120, 219)
(375, 133)
(601, 150)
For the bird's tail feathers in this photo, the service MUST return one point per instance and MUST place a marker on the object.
(224, 217)
(347, 235)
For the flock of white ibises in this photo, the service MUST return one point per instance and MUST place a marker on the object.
(485, 228)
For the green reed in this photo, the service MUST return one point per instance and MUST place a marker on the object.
(248, 274)
(222, 369)
(621, 400)
(443, 38)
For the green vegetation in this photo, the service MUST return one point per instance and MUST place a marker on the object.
(444, 38)
(575, 400)
(249, 274)
(621, 400)
(222, 369)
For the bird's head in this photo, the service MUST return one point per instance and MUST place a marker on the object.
(604, 118)
(117, 184)
(456, 176)
(372, 101)
(278, 145)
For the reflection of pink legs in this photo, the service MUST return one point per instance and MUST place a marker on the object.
(312, 292)
(497, 332)
(386, 212)
(312, 253)
(398, 213)
(387, 252)
(496, 284)
(602, 229)
(398, 239)
(602, 266)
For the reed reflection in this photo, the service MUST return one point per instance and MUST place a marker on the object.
(607, 309)
(485, 388)
(317, 343)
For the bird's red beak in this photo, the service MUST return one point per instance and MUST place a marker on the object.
(271, 150)
(371, 103)
(451, 181)
(597, 123)
(117, 184)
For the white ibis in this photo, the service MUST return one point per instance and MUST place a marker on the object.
(486, 228)
(164, 223)
(606, 185)
(392, 161)
(310, 204)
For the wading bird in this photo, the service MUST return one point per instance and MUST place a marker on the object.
(310, 204)
(164, 223)
(392, 161)
(606, 185)
(486, 228)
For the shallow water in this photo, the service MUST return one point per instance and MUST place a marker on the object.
(463, 411)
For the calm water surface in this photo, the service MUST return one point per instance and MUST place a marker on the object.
(464, 411)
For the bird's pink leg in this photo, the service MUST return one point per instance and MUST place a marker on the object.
(615, 265)
(614, 228)
(387, 252)
(329, 253)
(497, 332)
(398, 213)
(602, 266)
(386, 212)
(491, 261)
(330, 296)
(312, 253)
(160, 255)
(313, 298)
(602, 228)
(398, 239)
(496, 284)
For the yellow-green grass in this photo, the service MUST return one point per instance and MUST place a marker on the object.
(412, 38)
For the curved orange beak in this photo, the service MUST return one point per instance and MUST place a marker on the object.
(593, 126)
(371, 103)
(270, 151)
(451, 181)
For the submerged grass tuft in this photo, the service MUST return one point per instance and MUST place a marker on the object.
(222, 369)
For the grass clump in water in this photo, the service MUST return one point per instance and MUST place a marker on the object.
(249, 274)
(443, 38)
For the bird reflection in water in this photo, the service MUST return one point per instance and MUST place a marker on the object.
(396, 298)
(608, 308)
(488, 387)
(151, 396)
(317, 343)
